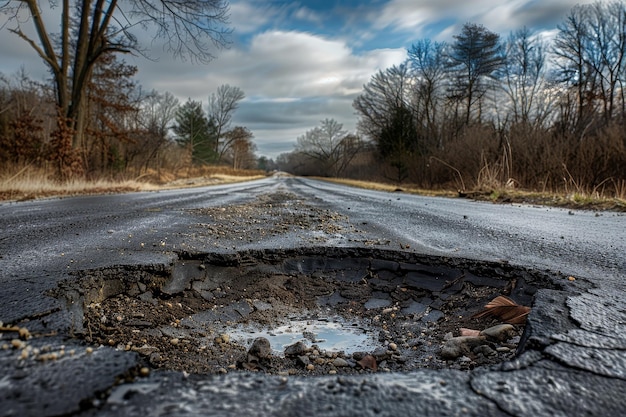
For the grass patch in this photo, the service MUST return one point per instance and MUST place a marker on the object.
(578, 200)
(378, 186)
(29, 183)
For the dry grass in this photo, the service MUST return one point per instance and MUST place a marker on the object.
(378, 186)
(506, 195)
(28, 183)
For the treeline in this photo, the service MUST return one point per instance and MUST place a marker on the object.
(483, 112)
(127, 132)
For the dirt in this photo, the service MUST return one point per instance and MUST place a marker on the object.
(203, 313)
(271, 215)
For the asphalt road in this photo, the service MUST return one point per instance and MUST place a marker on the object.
(576, 366)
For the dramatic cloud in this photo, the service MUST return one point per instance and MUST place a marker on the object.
(292, 81)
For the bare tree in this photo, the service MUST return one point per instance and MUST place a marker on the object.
(222, 106)
(157, 113)
(474, 57)
(91, 28)
(387, 117)
(524, 74)
(428, 69)
(242, 148)
(607, 39)
(570, 49)
(329, 145)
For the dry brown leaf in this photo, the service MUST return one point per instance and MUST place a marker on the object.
(469, 332)
(368, 362)
(505, 309)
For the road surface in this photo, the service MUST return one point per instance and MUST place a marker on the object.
(574, 365)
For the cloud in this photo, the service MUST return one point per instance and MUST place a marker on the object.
(292, 81)
(441, 19)
(247, 17)
(306, 14)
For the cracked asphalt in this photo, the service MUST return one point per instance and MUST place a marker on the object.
(573, 362)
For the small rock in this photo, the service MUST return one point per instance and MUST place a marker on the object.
(380, 354)
(332, 372)
(144, 371)
(368, 362)
(260, 351)
(459, 346)
(393, 346)
(303, 361)
(399, 358)
(17, 344)
(175, 341)
(339, 363)
(503, 349)
(297, 349)
(24, 333)
(499, 333)
(484, 350)
(310, 367)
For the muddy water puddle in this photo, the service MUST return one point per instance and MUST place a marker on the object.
(303, 311)
(330, 335)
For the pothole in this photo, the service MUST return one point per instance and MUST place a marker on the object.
(303, 311)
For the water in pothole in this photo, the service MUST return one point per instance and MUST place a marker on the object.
(334, 335)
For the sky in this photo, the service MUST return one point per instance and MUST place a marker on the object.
(300, 62)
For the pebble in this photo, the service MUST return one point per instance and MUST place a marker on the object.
(333, 372)
(297, 349)
(223, 338)
(310, 367)
(175, 341)
(501, 332)
(303, 361)
(503, 349)
(17, 344)
(339, 362)
(261, 348)
(24, 333)
(393, 346)
(485, 350)
(459, 346)
(144, 371)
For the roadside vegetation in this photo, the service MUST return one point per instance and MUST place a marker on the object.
(29, 183)
(520, 117)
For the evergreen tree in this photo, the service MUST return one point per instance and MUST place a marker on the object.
(195, 132)
(474, 58)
